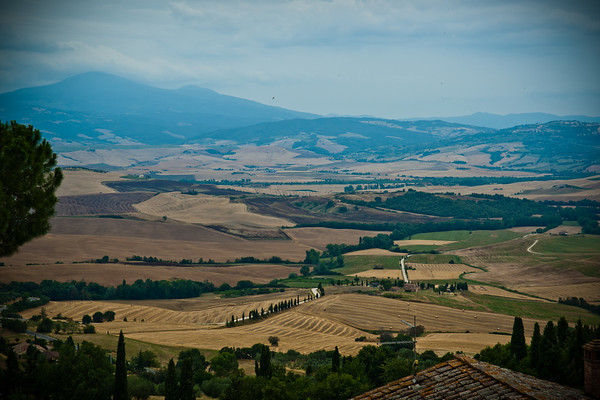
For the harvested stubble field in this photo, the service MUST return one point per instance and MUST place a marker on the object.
(468, 343)
(114, 274)
(495, 291)
(380, 313)
(589, 291)
(423, 272)
(175, 314)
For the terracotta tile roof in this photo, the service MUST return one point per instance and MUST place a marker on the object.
(467, 378)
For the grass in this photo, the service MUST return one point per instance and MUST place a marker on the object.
(355, 264)
(569, 244)
(533, 309)
(433, 258)
(465, 239)
(133, 347)
(305, 282)
(503, 305)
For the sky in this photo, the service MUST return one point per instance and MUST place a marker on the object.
(384, 58)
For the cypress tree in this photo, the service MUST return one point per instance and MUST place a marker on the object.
(120, 392)
(562, 331)
(335, 361)
(535, 348)
(264, 367)
(518, 347)
(171, 389)
(186, 383)
(548, 363)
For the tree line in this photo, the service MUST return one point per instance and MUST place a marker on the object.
(139, 290)
(555, 354)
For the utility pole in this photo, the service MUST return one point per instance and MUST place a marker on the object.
(414, 329)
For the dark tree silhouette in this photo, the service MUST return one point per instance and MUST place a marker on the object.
(335, 361)
(518, 347)
(171, 389)
(28, 180)
(120, 391)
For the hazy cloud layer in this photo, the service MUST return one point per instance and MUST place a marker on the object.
(387, 58)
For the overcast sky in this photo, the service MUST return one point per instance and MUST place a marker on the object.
(387, 58)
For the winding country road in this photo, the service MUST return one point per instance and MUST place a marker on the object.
(404, 276)
(531, 247)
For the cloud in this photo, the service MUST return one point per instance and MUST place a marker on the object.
(381, 57)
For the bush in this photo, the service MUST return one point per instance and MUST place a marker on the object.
(89, 329)
(98, 317)
(274, 340)
(45, 326)
(215, 386)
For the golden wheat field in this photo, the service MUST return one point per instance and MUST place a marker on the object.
(81, 182)
(468, 343)
(207, 210)
(320, 237)
(333, 320)
(423, 272)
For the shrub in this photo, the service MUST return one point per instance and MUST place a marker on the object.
(89, 329)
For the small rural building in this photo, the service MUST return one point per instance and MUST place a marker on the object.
(466, 378)
(411, 287)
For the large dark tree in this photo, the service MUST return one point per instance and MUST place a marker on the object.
(120, 392)
(518, 347)
(28, 180)
(535, 349)
(171, 387)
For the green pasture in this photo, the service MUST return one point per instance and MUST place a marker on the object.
(356, 264)
(465, 239)
(580, 244)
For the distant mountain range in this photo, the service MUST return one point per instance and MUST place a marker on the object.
(507, 121)
(97, 110)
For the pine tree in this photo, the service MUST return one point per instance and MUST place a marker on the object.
(120, 392)
(518, 347)
(335, 361)
(171, 389)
